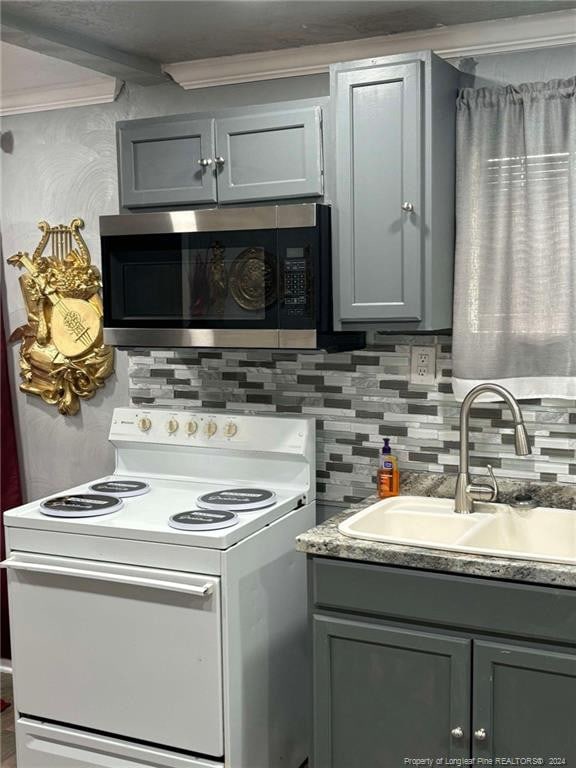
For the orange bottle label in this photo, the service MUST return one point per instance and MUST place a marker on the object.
(384, 485)
(388, 482)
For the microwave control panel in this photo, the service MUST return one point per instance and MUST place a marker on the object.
(295, 282)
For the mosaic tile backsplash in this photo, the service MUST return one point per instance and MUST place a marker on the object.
(358, 398)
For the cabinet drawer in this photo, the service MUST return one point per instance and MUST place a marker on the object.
(469, 603)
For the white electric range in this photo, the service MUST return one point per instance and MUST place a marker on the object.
(158, 615)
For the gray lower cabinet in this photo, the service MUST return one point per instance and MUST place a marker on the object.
(414, 664)
(373, 689)
(394, 160)
(226, 158)
(524, 703)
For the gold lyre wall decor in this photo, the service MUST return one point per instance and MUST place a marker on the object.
(62, 357)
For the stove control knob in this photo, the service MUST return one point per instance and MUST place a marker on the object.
(230, 429)
(210, 428)
(191, 427)
(172, 426)
(144, 424)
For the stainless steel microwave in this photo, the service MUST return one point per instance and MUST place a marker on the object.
(222, 277)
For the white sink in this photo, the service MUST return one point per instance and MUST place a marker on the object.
(537, 534)
(541, 534)
(409, 520)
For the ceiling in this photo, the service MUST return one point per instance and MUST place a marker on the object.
(168, 31)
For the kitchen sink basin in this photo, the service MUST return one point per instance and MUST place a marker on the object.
(498, 530)
(409, 520)
(537, 534)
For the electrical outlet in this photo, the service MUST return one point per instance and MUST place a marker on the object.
(423, 365)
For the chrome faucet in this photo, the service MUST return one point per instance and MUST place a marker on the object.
(468, 492)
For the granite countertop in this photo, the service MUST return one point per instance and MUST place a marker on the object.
(325, 540)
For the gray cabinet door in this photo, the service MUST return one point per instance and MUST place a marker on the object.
(159, 163)
(269, 156)
(524, 703)
(382, 695)
(379, 168)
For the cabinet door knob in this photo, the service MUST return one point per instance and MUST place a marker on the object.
(205, 162)
(457, 732)
(408, 207)
(219, 161)
(480, 734)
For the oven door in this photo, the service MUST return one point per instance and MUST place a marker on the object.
(128, 651)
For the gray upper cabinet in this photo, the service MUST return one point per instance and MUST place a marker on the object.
(162, 162)
(393, 189)
(226, 158)
(378, 143)
(270, 156)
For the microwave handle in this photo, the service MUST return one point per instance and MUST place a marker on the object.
(60, 570)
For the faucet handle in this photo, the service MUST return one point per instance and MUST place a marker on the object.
(484, 491)
(494, 482)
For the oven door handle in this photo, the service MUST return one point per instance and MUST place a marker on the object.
(60, 570)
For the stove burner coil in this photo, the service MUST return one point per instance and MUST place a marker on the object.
(238, 499)
(202, 520)
(80, 505)
(120, 487)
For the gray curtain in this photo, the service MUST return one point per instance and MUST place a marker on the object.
(515, 273)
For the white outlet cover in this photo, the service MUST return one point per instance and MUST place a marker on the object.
(423, 365)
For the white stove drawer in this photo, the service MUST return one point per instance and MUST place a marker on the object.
(50, 746)
(134, 652)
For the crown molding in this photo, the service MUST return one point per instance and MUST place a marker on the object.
(98, 90)
(485, 37)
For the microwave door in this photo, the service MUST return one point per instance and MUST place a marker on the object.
(193, 289)
(231, 280)
(141, 277)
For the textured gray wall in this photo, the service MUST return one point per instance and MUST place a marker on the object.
(62, 164)
(519, 67)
